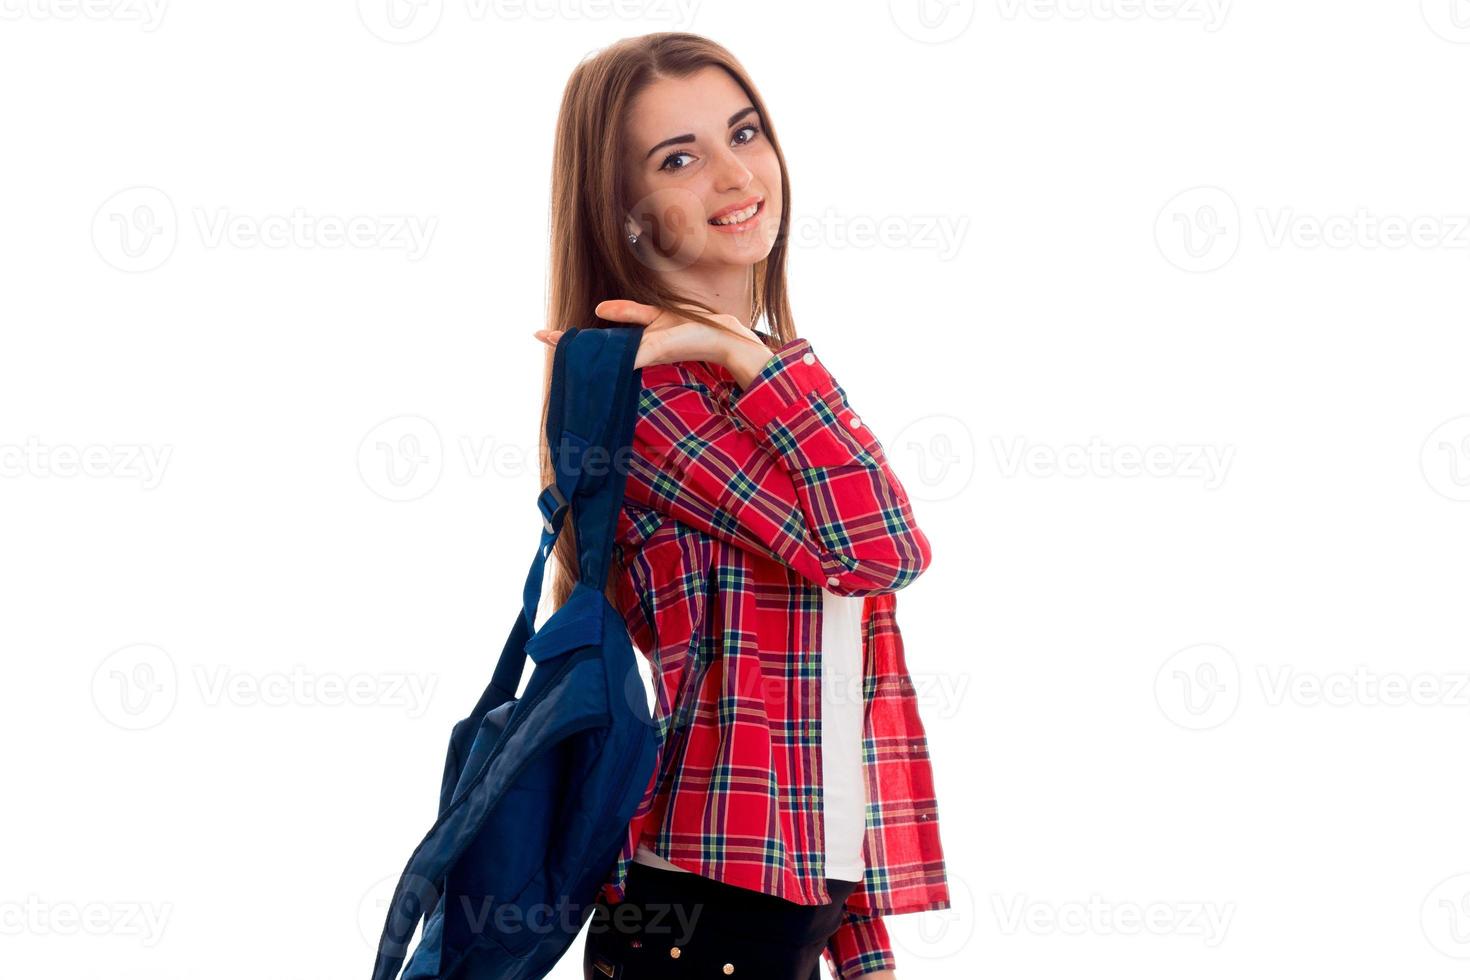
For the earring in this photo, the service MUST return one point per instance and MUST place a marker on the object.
(632, 239)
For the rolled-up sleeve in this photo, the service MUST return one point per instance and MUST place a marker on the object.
(787, 468)
(860, 945)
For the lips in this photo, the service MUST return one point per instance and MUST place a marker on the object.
(737, 214)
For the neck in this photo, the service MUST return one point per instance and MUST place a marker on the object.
(726, 289)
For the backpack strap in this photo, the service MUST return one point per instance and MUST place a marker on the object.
(590, 416)
(602, 409)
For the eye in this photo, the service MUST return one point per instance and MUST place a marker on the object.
(752, 129)
(674, 156)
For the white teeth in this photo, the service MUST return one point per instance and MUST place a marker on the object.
(738, 216)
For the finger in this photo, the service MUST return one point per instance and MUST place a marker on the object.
(650, 351)
(549, 337)
(626, 311)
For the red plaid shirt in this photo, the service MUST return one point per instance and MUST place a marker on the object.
(739, 508)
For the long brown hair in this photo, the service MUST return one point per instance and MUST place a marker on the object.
(590, 260)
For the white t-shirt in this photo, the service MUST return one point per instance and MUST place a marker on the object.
(844, 793)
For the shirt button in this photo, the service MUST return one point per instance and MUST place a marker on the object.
(854, 421)
(832, 580)
(729, 968)
(675, 951)
(808, 358)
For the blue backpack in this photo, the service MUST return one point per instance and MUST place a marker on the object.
(538, 790)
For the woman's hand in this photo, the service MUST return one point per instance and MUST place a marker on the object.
(668, 337)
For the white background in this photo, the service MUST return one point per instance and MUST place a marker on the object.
(1224, 699)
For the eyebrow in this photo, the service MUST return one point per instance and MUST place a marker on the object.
(689, 137)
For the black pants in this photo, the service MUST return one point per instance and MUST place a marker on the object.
(677, 924)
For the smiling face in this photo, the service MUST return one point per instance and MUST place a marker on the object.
(703, 180)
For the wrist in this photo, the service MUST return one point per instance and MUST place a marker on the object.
(743, 358)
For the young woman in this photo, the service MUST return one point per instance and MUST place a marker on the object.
(759, 548)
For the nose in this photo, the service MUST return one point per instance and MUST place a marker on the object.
(729, 173)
